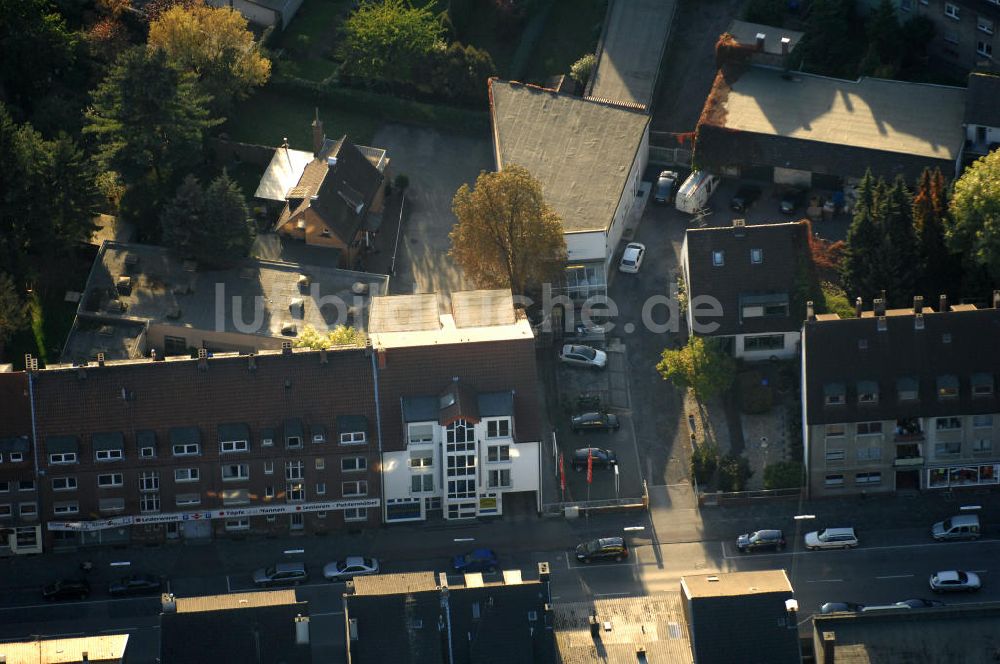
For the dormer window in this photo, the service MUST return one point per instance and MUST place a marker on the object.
(982, 385)
(867, 392)
(907, 389)
(834, 394)
(756, 256)
(947, 387)
(718, 258)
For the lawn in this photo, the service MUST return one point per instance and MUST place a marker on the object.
(571, 31)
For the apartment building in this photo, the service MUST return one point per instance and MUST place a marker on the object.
(902, 399)
(20, 529)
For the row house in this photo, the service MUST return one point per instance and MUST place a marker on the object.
(20, 529)
(902, 399)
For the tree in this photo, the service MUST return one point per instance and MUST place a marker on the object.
(13, 310)
(704, 461)
(734, 471)
(784, 475)
(583, 69)
(212, 225)
(214, 44)
(506, 235)
(385, 40)
(341, 335)
(930, 210)
(701, 365)
(767, 12)
(885, 45)
(901, 259)
(829, 45)
(975, 212)
(862, 244)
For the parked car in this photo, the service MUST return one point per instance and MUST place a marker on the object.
(745, 197)
(920, 603)
(791, 200)
(595, 421)
(831, 538)
(136, 584)
(601, 458)
(666, 187)
(282, 574)
(632, 258)
(350, 567)
(760, 541)
(477, 560)
(603, 548)
(955, 581)
(963, 526)
(841, 607)
(583, 356)
(66, 589)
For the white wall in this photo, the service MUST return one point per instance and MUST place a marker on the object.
(992, 133)
(789, 351)
(589, 246)
(524, 467)
(250, 11)
(628, 200)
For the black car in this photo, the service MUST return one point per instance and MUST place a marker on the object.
(136, 584)
(67, 589)
(604, 548)
(920, 603)
(595, 421)
(760, 540)
(666, 187)
(792, 200)
(601, 458)
(745, 196)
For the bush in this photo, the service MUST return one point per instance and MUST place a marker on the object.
(784, 475)
(734, 471)
(704, 461)
(836, 301)
(583, 68)
(755, 397)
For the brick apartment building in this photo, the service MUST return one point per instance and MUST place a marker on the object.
(19, 529)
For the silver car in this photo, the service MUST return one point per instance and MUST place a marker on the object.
(954, 581)
(831, 538)
(350, 567)
(583, 356)
(282, 574)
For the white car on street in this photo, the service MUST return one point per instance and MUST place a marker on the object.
(583, 356)
(955, 581)
(831, 538)
(350, 567)
(632, 258)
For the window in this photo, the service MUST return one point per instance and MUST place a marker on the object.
(756, 256)
(980, 421)
(16, 457)
(269, 492)
(4, 486)
(233, 525)
(834, 399)
(269, 468)
(26, 485)
(951, 10)
(321, 489)
(984, 48)
(460, 431)
(868, 478)
(947, 423)
(5, 510)
(985, 25)
(319, 438)
(495, 453)
(421, 433)
(835, 455)
(982, 446)
(460, 465)
(63, 483)
(174, 346)
(950, 36)
(353, 438)
(293, 470)
(835, 430)
(149, 481)
(356, 514)
(234, 446)
(421, 483)
(235, 496)
(267, 442)
(65, 508)
(232, 472)
(498, 429)
(109, 480)
(869, 428)
(947, 449)
(421, 459)
(833, 481)
(186, 475)
(28, 509)
(320, 463)
(186, 449)
(351, 464)
(295, 492)
(65, 457)
(499, 478)
(109, 455)
(461, 488)
(982, 386)
(869, 453)
(718, 258)
(105, 505)
(188, 499)
(355, 488)
(764, 342)
(293, 442)
(149, 502)
(147, 452)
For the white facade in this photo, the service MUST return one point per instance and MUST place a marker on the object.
(462, 469)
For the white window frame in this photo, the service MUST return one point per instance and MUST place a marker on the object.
(26, 485)
(294, 470)
(425, 455)
(187, 449)
(493, 428)
(835, 455)
(68, 507)
(117, 480)
(321, 488)
(982, 446)
(149, 503)
(237, 525)
(353, 438)
(360, 464)
(984, 25)
(6, 511)
(952, 11)
(67, 483)
(109, 455)
(295, 491)
(182, 499)
(242, 472)
(756, 256)
(147, 452)
(233, 446)
(319, 438)
(320, 463)
(185, 475)
(421, 480)
(420, 433)
(718, 258)
(149, 480)
(833, 481)
(62, 458)
(499, 449)
(4, 486)
(356, 514)
(982, 423)
(16, 457)
(496, 478)
(297, 445)
(354, 488)
(28, 510)
(868, 478)
(269, 468)
(268, 491)
(984, 48)
(267, 442)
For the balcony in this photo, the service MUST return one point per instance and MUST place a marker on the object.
(908, 430)
(908, 437)
(908, 462)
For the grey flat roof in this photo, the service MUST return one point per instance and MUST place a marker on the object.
(635, 34)
(481, 308)
(877, 114)
(581, 150)
(404, 313)
(118, 340)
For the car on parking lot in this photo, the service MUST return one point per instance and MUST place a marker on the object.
(831, 538)
(282, 574)
(760, 540)
(841, 607)
(920, 603)
(601, 458)
(745, 197)
(632, 257)
(954, 581)
(350, 567)
(66, 589)
(666, 187)
(602, 548)
(595, 421)
(583, 356)
(477, 560)
(136, 584)
(791, 200)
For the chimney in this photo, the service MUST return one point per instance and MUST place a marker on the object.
(543, 572)
(785, 45)
(829, 647)
(810, 311)
(152, 354)
(883, 324)
(286, 347)
(168, 603)
(884, 298)
(595, 626)
(318, 135)
(202, 359)
(918, 304)
(100, 359)
(996, 299)
(918, 322)
(252, 362)
(858, 307)
(381, 358)
(942, 303)
(878, 306)
(792, 613)
(85, 656)
(739, 227)
(322, 356)
(761, 39)
(301, 630)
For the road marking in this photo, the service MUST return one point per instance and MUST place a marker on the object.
(896, 576)
(825, 581)
(328, 613)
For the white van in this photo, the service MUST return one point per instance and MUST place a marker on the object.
(965, 526)
(695, 192)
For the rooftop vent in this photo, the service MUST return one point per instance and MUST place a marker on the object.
(301, 224)
(359, 288)
(761, 40)
(862, 344)
(123, 285)
(303, 282)
(105, 330)
(946, 338)
(131, 261)
(289, 329)
(297, 307)
(331, 161)
(883, 324)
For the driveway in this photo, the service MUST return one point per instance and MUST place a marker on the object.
(436, 164)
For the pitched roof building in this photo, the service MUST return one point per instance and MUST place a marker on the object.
(19, 509)
(740, 283)
(104, 649)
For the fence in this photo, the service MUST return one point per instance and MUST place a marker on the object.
(723, 499)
